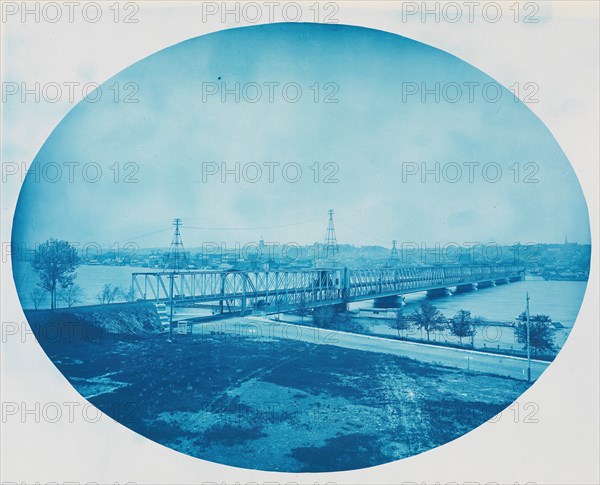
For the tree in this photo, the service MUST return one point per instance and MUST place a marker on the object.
(278, 307)
(303, 308)
(324, 316)
(70, 294)
(55, 263)
(428, 317)
(108, 294)
(462, 325)
(37, 295)
(541, 332)
(399, 322)
(478, 321)
(129, 295)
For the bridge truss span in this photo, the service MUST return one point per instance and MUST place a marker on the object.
(274, 291)
(238, 290)
(375, 283)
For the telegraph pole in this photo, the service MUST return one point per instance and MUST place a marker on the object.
(528, 340)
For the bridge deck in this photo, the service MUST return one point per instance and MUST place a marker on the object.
(282, 290)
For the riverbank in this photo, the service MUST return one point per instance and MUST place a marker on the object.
(492, 338)
(95, 321)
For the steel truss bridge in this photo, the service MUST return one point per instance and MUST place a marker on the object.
(240, 292)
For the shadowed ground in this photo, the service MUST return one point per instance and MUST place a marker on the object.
(278, 404)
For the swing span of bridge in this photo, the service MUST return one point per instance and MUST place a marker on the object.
(281, 290)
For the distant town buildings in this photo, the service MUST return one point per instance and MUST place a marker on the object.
(566, 261)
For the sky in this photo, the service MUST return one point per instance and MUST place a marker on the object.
(176, 135)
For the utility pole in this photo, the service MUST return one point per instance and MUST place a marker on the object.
(394, 253)
(528, 339)
(176, 257)
(394, 258)
(171, 278)
(330, 248)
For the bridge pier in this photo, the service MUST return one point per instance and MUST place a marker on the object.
(340, 307)
(485, 284)
(438, 292)
(393, 301)
(465, 288)
(328, 309)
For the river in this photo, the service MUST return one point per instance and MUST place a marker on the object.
(559, 299)
(91, 279)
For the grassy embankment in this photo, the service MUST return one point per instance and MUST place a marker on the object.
(273, 404)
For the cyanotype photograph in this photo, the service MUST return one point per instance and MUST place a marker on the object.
(301, 247)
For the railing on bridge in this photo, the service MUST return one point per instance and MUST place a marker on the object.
(281, 290)
(394, 281)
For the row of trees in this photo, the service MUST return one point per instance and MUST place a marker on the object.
(70, 295)
(110, 293)
(429, 318)
(73, 293)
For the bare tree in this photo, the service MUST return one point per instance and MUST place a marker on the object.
(108, 294)
(129, 295)
(70, 294)
(37, 296)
